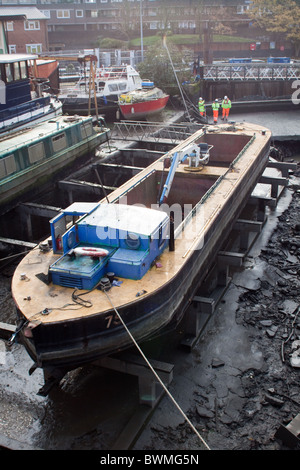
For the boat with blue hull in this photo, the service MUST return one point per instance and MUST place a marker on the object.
(23, 99)
(139, 254)
(32, 156)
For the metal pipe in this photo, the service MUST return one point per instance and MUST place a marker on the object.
(171, 240)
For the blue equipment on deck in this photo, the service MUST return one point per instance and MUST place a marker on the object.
(114, 238)
(196, 154)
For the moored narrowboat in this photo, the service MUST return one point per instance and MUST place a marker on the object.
(31, 156)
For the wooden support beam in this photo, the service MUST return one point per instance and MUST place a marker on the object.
(12, 241)
(274, 182)
(40, 210)
(6, 330)
(248, 226)
(206, 304)
(93, 185)
(142, 152)
(90, 188)
(231, 258)
(284, 167)
(116, 165)
(149, 388)
(245, 227)
(268, 201)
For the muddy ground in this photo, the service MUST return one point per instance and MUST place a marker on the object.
(237, 386)
(242, 380)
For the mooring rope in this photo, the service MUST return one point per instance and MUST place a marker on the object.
(156, 375)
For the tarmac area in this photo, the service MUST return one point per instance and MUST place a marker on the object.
(237, 386)
(283, 124)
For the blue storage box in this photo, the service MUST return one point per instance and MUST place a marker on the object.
(129, 264)
(133, 236)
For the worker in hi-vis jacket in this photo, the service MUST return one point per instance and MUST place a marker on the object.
(201, 106)
(215, 108)
(226, 105)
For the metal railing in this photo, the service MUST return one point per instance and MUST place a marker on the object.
(263, 71)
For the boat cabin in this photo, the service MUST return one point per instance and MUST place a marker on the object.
(15, 79)
(22, 97)
(108, 81)
(116, 238)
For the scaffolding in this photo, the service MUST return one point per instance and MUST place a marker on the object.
(155, 131)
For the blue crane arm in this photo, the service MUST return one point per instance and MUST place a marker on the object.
(167, 186)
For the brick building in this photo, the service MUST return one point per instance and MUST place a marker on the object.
(28, 34)
(76, 24)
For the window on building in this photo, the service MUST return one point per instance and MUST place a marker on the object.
(183, 24)
(31, 25)
(9, 25)
(12, 48)
(79, 13)
(33, 48)
(46, 13)
(62, 13)
(91, 13)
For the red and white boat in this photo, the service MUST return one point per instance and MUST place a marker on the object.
(142, 102)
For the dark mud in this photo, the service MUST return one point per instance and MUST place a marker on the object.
(7, 306)
(242, 379)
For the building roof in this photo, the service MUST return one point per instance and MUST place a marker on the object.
(15, 12)
(10, 58)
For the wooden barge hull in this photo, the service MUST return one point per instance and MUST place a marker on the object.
(74, 341)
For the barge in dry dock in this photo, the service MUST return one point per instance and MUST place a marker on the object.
(66, 315)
